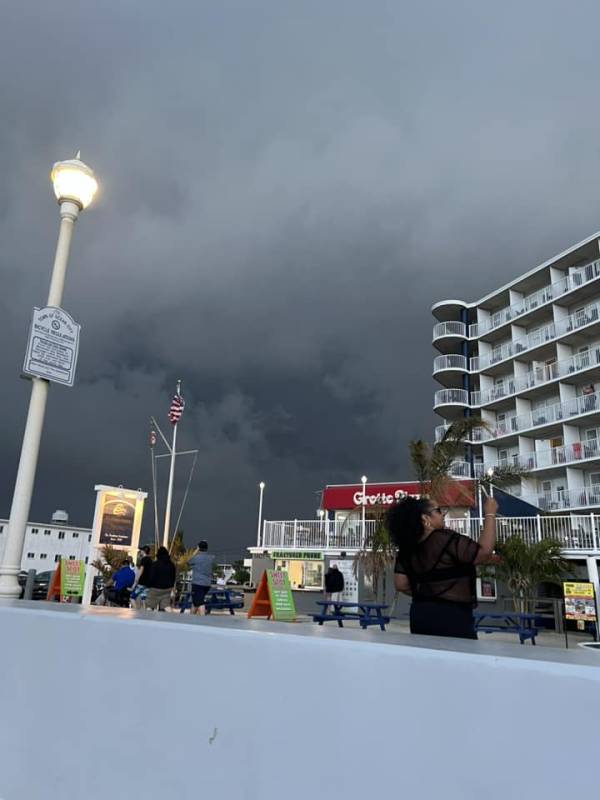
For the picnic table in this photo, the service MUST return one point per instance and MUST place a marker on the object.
(216, 598)
(366, 613)
(518, 622)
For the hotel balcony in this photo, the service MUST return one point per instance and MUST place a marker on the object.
(538, 301)
(448, 337)
(451, 403)
(548, 459)
(588, 316)
(449, 370)
(569, 499)
(568, 368)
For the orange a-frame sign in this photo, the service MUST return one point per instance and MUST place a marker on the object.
(261, 605)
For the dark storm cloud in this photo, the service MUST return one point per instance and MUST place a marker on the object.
(286, 188)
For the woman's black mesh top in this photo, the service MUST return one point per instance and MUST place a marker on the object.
(442, 568)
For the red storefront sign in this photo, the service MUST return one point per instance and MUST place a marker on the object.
(349, 496)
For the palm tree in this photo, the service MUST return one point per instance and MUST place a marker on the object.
(523, 566)
(433, 463)
(377, 554)
(109, 562)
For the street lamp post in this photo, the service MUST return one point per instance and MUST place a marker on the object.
(490, 474)
(261, 487)
(74, 186)
(364, 508)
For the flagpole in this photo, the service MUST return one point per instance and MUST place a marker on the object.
(171, 477)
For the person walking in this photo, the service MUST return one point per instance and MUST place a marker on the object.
(334, 583)
(140, 588)
(162, 581)
(202, 567)
(436, 566)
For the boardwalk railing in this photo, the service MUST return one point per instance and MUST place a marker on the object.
(574, 532)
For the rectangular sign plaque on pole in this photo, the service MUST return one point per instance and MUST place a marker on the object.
(53, 346)
(580, 604)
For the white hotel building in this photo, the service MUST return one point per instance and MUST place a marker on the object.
(47, 542)
(526, 358)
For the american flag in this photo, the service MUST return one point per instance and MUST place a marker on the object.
(176, 410)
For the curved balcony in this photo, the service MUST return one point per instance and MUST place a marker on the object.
(448, 337)
(460, 469)
(450, 403)
(449, 370)
(448, 309)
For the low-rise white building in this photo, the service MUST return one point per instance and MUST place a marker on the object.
(47, 542)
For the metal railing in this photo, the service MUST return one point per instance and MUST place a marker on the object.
(543, 374)
(567, 498)
(550, 457)
(445, 397)
(574, 532)
(449, 329)
(583, 275)
(460, 469)
(449, 362)
(316, 534)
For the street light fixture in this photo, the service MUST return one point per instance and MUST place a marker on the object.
(74, 186)
(261, 487)
(490, 474)
(364, 507)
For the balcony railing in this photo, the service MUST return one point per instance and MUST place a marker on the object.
(574, 532)
(584, 497)
(544, 416)
(449, 362)
(586, 316)
(449, 329)
(550, 457)
(445, 397)
(579, 278)
(476, 434)
(460, 469)
(549, 372)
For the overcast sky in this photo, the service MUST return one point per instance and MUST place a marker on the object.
(286, 188)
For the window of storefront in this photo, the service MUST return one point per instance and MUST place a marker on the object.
(302, 574)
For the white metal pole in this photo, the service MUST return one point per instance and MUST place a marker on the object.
(261, 487)
(170, 489)
(364, 509)
(30, 448)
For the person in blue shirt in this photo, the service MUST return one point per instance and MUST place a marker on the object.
(122, 580)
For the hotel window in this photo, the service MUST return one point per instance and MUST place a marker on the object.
(43, 555)
(75, 535)
(1, 528)
(30, 555)
(56, 559)
(35, 530)
(71, 558)
(90, 538)
(47, 532)
(61, 534)
(86, 559)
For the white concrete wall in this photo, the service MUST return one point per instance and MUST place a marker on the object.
(94, 706)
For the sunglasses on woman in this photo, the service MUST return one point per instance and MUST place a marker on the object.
(438, 509)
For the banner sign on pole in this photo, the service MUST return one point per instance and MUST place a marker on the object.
(72, 577)
(53, 346)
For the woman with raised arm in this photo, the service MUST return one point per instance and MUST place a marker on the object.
(436, 566)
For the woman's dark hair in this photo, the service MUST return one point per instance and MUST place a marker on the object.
(404, 524)
(162, 554)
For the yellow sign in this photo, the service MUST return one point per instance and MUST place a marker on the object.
(580, 602)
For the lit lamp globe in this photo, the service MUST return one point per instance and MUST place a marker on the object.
(74, 182)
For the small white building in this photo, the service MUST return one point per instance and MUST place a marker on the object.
(47, 542)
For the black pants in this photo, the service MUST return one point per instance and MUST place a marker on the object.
(442, 618)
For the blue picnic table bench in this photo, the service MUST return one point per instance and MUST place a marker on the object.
(216, 598)
(507, 621)
(366, 613)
